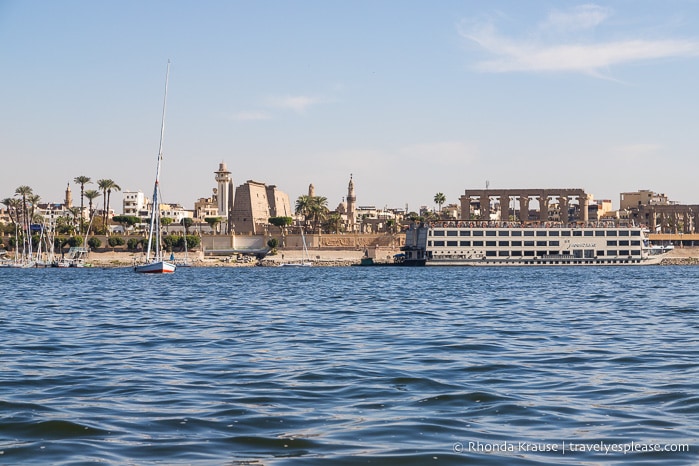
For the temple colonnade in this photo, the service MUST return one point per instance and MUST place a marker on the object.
(524, 196)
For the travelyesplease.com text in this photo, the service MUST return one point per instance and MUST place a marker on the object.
(568, 447)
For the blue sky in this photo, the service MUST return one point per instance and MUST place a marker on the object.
(411, 97)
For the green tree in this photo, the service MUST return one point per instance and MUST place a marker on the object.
(304, 206)
(166, 221)
(319, 211)
(126, 220)
(170, 242)
(334, 223)
(133, 243)
(64, 225)
(94, 242)
(91, 195)
(59, 242)
(313, 208)
(33, 201)
(24, 191)
(82, 181)
(193, 241)
(273, 243)
(13, 208)
(115, 241)
(186, 223)
(280, 222)
(414, 217)
(213, 221)
(77, 217)
(440, 199)
(107, 186)
(75, 241)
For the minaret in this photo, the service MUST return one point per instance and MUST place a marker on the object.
(311, 190)
(351, 206)
(225, 195)
(69, 197)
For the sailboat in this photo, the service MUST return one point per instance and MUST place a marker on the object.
(157, 264)
(305, 257)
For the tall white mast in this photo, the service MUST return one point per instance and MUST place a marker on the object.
(155, 211)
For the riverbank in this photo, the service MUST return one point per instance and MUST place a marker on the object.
(320, 257)
(328, 258)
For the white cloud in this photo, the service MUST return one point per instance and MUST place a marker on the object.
(578, 18)
(251, 116)
(299, 103)
(639, 152)
(449, 153)
(559, 54)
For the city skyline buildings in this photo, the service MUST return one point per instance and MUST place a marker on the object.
(412, 98)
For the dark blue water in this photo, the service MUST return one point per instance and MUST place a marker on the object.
(388, 366)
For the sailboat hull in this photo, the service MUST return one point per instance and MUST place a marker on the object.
(155, 267)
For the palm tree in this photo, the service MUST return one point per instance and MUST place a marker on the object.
(91, 195)
(33, 200)
(107, 186)
(313, 208)
(303, 207)
(103, 185)
(334, 222)
(440, 199)
(24, 191)
(82, 181)
(12, 205)
(75, 212)
(113, 187)
(319, 210)
(186, 222)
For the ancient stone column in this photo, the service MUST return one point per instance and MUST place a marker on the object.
(563, 202)
(543, 207)
(524, 208)
(465, 207)
(485, 207)
(504, 208)
(584, 203)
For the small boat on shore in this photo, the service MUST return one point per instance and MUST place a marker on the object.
(305, 257)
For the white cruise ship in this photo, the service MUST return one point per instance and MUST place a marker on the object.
(500, 244)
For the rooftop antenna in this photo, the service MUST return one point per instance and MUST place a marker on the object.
(487, 184)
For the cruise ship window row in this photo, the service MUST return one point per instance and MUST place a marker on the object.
(611, 242)
(588, 254)
(492, 243)
(534, 233)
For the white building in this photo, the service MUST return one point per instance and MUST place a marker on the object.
(135, 203)
(175, 211)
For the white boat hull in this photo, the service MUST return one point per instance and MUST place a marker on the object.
(297, 264)
(155, 267)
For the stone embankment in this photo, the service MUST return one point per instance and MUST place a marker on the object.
(682, 256)
(320, 257)
(680, 261)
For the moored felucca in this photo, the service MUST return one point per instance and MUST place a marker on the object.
(157, 264)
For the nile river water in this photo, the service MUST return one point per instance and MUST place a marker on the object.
(353, 365)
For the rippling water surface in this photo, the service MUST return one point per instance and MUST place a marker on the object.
(355, 365)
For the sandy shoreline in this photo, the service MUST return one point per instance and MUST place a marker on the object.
(331, 257)
(320, 257)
